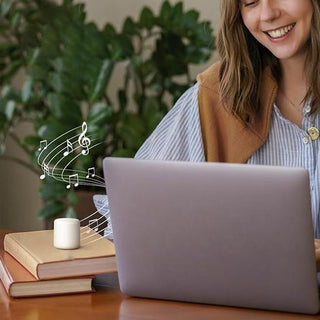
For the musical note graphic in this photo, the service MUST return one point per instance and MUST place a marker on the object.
(93, 224)
(59, 163)
(73, 179)
(91, 172)
(69, 148)
(43, 145)
(45, 169)
(84, 141)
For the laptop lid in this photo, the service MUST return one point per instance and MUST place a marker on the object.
(227, 234)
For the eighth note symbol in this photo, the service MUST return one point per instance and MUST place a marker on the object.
(69, 148)
(91, 172)
(73, 179)
(83, 140)
(45, 169)
(43, 145)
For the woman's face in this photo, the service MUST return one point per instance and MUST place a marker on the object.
(282, 26)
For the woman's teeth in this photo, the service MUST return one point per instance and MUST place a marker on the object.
(280, 32)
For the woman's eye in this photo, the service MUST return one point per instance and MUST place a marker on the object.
(249, 3)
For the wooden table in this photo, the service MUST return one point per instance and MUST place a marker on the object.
(108, 304)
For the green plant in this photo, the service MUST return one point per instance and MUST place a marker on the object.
(68, 64)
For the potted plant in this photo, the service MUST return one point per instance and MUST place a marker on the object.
(68, 64)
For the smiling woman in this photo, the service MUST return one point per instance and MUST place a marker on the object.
(260, 103)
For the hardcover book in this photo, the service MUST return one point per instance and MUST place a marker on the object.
(18, 282)
(35, 251)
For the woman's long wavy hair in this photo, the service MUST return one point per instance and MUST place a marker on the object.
(243, 59)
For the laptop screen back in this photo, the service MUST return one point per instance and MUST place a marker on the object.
(226, 234)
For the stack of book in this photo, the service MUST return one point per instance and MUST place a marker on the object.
(31, 266)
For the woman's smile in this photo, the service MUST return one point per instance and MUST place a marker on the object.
(280, 33)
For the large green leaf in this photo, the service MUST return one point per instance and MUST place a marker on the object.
(177, 12)
(109, 31)
(131, 130)
(99, 114)
(147, 18)
(52, 128)
(198, 54)
(130, 28)
(168, 61)
(102, 81)
(121, 47)
(152, 114)
(10, 109)
(5, 7)
(31, 141)
(15, 19)
(64, 108)
(165, 11)
(27, 90)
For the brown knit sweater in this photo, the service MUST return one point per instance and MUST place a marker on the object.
(225, 137)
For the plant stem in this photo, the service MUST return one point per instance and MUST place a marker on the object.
(21, 162)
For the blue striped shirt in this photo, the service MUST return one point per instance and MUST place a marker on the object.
(178, 137)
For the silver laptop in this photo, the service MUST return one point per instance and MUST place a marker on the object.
(225, 234)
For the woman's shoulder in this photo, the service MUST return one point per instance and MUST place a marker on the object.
(210, 77)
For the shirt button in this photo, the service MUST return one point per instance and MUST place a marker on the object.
(307, 109)
(305, 140)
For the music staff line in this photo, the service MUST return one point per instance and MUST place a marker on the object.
(47, 145)
(84, 242)
(82, 139)
(102, 230)
(64, 169)
(45, 164)
(88, 217)
(83, 180)
(96, 221)
(74, 158)
(99, 224)
(57, 153)
(83, 142)
(106, 234)
(82, 174)
(99, 181)
(95, 224)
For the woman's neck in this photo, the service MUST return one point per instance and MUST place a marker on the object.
(292, 90)
(293, 81)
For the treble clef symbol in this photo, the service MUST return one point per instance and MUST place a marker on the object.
(83, 140)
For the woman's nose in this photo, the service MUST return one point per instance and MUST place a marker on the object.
(269, 10)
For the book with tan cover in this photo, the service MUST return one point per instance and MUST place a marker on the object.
(35, 251)
(18, 282)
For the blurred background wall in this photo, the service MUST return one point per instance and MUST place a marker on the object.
(19, 200)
